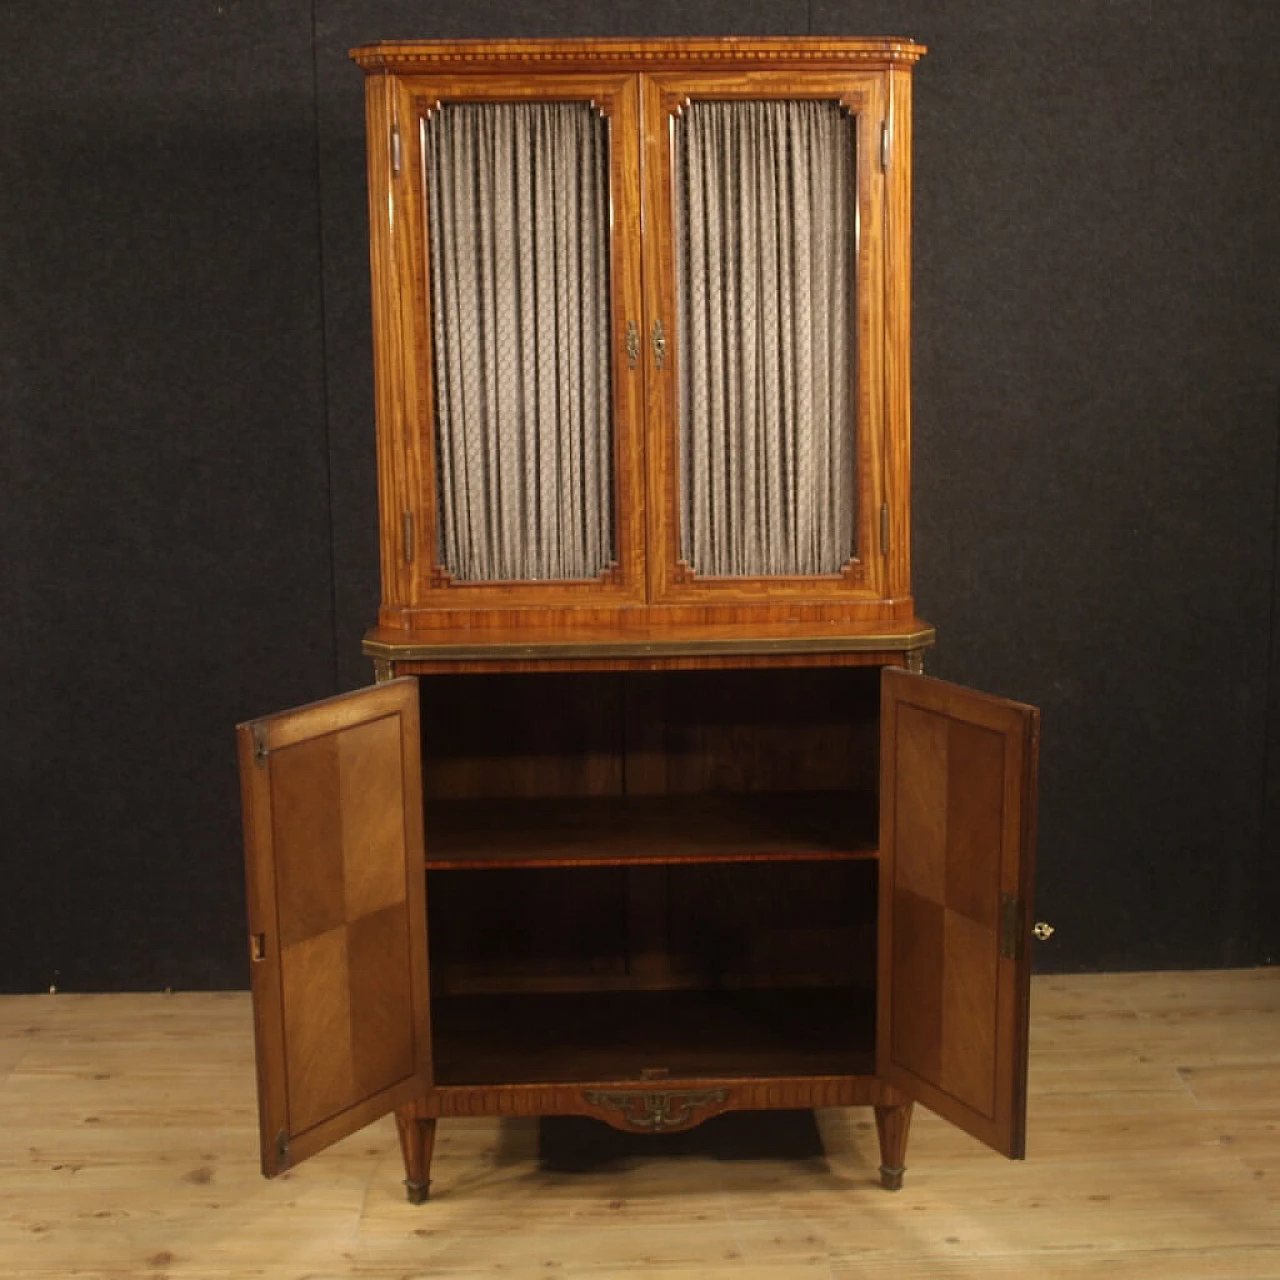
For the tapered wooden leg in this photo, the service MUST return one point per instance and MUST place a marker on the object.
(893, 1124)
(417, 1139)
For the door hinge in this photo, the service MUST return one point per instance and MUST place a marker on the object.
(408, 537)
(884, 145)
(282, 1149)
(395, 149)
(1012, 930)
(260, 748)
(884, 528)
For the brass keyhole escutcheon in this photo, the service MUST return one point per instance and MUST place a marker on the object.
(1042, 931)
(659, 339)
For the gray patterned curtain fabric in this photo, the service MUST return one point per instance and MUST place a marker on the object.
(766, 206)
(518, 225)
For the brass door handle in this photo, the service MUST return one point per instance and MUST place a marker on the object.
(1042, 931)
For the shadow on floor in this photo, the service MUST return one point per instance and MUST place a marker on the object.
(579, 1144)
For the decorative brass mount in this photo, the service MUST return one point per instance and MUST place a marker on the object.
(659, 339)
(657, 1109)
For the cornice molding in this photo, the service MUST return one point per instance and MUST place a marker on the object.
(647, 55)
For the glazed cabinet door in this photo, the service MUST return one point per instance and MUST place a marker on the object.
(505, 219)
(770, 458)
(332, 804)
(957, 836)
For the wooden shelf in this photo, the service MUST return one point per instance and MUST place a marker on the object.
(640, 830)
(646, 1035)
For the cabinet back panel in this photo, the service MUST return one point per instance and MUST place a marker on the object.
(772, 925)
(522, 735)
(811, 729)
(736, 925)
(652, 1035)
(650, 733)
(732, 926)
(540, 929)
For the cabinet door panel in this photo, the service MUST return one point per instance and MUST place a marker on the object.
(957, 832)
(764, 270)
(515, 255)
(337, 916)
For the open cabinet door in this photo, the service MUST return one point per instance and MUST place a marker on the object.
(957, 837)
(332, 799)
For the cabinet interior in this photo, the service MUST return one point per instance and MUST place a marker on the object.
(637, 875)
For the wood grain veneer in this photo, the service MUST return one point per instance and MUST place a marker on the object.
(957, 841)
(337, 916)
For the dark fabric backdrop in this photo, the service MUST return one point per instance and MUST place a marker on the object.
(187, 506)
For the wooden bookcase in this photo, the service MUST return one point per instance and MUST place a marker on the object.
(680, 828)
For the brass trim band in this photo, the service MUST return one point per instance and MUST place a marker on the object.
(477, 650)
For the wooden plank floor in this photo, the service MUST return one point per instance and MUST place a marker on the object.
(127, 1137)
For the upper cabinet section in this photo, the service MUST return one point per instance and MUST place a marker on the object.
(641, 330)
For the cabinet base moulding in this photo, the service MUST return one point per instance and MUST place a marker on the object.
(670, 1107)
(585, 1099)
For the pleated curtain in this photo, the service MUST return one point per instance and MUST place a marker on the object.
(518, 225)
(766, 203)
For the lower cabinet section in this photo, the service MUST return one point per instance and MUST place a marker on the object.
(647, 897)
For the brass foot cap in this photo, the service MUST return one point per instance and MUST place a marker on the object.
(891, 1179)
(416, 1192)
